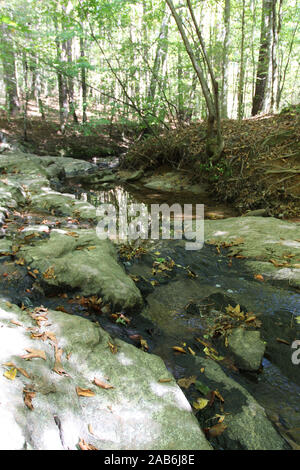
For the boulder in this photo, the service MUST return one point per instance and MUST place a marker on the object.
(62, 204)
(248, 427)
(247, 347)
(139, 412)
(80, 260)
(270, 246)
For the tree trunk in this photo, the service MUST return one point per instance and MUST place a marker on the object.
(72, 109)
(261, 99)
(9, 71)
(214, 141)
(160, 55)
(62, 82)
(242, 70)
(83, 82)
(225, 61)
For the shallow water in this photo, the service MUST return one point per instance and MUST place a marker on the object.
(277, 386)
(165, 322)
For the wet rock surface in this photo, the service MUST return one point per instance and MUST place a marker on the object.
(51, 238)
(247, 347)
(137, 412)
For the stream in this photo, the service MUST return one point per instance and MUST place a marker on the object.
(166, 322)
(178, 305)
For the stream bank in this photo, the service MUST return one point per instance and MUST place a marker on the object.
(51, 256)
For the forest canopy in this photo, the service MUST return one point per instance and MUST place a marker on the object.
(123, 60)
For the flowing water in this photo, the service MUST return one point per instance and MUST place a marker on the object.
(203, 279)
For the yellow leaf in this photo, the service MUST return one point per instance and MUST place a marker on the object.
(10, 374)
(210, 353)
(179, 349)
(191, 351)
(200, 403)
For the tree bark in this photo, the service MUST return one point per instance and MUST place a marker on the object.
(225, 61)
(9, 71)
(261, 99)
(83, 82)
(242, 70)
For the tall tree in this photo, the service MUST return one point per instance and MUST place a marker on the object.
(225, 60)
(9, 69)
(242, 68)
(215, 142)
(261, 99)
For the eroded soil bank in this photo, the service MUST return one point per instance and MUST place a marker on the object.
(188, 308)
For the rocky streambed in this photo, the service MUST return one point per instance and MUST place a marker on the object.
(144, 347)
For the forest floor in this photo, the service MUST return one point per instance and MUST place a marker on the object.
(259, 169)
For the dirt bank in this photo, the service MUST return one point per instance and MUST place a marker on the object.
(259, 167)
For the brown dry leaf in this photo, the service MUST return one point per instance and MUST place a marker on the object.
(58, 368)
(34, 353)
(72, 234)
(162, 381)
(218, 395)
(49, 273)
(51, 336)
(283, 341)
(84, 446)
(15, 322)
(186, 382)
(216, 430)
(112, 347)
(84, 392)
(258, 277)
(101, 384)
(277, 264)
(28, 397)
(251, 318)
(220, 418)
(179, 349)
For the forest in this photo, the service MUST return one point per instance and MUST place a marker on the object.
(127, 339)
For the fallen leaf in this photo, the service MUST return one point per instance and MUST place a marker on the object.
(19, 369)
(84, 446)
(15, 322)
(11, 373)
(200, 403)
(282, 341)
(216, 430)
(179, 349)
(187, 382)
(101, 384)
(58, 367)
(34, 353)
(113, 348)
(84, 392)
(191, 351)
(28, 397)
